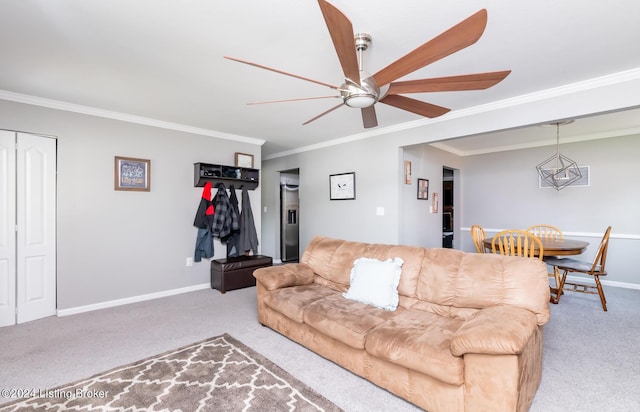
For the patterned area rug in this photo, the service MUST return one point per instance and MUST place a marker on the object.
(218, 374)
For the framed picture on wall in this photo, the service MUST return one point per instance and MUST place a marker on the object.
(342, 186)
(423, 189)
(132, 174)
(407, 172)
(244, 160)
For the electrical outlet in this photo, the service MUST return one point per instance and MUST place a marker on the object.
(189, 261)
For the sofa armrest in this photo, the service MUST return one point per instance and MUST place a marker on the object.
(497, 330)
(282, 276)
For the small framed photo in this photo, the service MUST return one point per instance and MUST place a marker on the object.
(244, 160)
(132, 174)
(407, 172)
(423, 189)
(342, 186)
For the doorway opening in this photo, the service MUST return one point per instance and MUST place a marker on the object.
(289, 215)
(448, 184)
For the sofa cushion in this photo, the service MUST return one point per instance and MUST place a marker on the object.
(332, 259)
(455, 279)
(420, 341)
(375, 282)
(345, 320)
(292, 301)
(498, 330)
(282, 276)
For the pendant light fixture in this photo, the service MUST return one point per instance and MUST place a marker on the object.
(559, 171)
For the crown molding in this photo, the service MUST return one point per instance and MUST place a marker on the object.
(541, 143)
(107, 114)
(591, 84)
(577, 87)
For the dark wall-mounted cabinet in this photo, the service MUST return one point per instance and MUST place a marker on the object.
(229, 175)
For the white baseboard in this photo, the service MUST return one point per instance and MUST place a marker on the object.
(132, 299)
(165, 293)
(613, 283)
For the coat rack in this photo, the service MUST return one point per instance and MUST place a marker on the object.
(228, 175)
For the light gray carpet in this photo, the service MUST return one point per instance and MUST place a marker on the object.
(591, 360)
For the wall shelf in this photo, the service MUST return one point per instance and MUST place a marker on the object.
(229, 175)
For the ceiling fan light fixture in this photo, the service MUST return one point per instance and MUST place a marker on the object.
(360, 100)
(362, 95)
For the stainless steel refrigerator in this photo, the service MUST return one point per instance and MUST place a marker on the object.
(289, 216)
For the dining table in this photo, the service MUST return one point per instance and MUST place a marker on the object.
(555, 247)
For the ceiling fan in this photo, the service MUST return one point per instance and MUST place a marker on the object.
(360, 90)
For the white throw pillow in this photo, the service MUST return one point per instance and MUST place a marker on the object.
(375, 282)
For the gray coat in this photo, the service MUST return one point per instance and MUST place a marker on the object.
(248, 235)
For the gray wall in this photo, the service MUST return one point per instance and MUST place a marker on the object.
(372, 160)
(501, 192)
(116, 245)
(511, 180)
(498, 191)
(378, 163)
(419, 224)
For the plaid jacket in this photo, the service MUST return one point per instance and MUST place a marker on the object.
(225, 218)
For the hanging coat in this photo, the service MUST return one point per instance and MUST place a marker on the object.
(248, 235)
(204, 222)
(225, 220)
(232, 241)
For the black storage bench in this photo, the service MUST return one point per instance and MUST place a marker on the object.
(236, 272)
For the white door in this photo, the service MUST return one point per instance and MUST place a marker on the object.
(7, 228)
(27, 227)
(36, 240)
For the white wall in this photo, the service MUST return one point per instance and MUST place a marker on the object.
(115, 245)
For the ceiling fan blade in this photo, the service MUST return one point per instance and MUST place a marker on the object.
(369, 118)
(414, 106)
(478, 81)
(293, 100)
(456, 38)
(281, 72)
(341, 31)
(322, 114)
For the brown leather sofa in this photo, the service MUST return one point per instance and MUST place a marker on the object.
(465, 336)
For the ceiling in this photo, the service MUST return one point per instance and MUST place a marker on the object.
(163, 60)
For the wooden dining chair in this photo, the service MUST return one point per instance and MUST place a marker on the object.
(595, 269)
(549, 232)
(478, 235)
(515, 242)
(546, 231)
